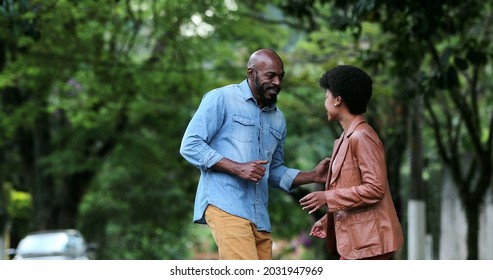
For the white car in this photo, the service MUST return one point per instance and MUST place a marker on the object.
(68, 244)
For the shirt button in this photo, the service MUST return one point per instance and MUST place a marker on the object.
(333, 184)
(338, 207)
(338, 223)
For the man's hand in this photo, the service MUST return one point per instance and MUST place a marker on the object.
(313, 201)
(321, 171)
(252, 170)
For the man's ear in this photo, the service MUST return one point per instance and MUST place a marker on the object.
(250, 73)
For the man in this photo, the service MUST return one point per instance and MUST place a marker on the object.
(236, 139)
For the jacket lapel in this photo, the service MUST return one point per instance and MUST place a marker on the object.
(338, 156)
(341, 147)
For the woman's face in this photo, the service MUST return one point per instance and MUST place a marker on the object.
(332, 106)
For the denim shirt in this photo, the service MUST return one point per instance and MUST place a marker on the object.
(229, 124)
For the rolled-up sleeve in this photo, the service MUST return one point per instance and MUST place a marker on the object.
(204, 124)
(287, 179)
(282, 177)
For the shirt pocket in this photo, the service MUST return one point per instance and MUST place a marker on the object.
(243, 129)
(275, 138)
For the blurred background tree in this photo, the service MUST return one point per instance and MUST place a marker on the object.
(95, 98)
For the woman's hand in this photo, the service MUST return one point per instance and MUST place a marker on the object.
(319, 228)
(313, 201)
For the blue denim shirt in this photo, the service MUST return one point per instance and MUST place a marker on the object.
(228, 123)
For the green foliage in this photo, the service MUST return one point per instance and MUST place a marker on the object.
(19, 204)
(19, 210)
(95, 98)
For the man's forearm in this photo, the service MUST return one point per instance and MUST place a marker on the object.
(304, 177)
(226, 165)
(317, 175)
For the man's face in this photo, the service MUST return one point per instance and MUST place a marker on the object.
(267, 85)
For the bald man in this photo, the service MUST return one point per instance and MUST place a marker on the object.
(236, 139)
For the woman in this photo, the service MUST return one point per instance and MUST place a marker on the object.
(361, 220)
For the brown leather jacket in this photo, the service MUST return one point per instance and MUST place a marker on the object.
(358, 195)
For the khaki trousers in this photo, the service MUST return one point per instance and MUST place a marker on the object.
(237, 238)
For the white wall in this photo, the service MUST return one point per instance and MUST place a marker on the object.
(416, 241)
(453, 225)
(486, 229)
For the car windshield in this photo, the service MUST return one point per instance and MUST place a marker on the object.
(47, 243)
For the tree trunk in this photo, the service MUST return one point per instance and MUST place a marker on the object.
(3, 206)
(417, 204)
(3, 210)
(472, 215)
(43, 189)
(70, 197)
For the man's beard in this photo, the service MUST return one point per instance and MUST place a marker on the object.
(263, 94)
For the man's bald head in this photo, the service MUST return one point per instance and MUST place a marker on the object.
(262, 58)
